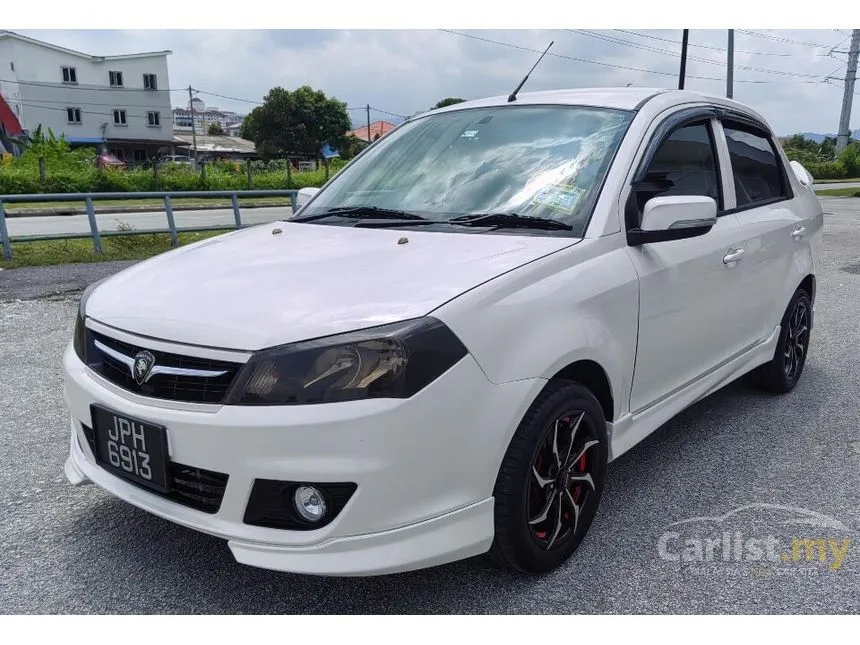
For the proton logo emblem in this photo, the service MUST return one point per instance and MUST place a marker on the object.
(143, 363)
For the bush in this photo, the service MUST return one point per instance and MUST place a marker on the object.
(850, 159)
(72, 175)
(827, 170)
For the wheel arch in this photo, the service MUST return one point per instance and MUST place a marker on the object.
(590, 374)
(808, 284)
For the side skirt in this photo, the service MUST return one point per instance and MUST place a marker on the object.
(629, 430)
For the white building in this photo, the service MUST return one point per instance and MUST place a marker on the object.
(121, 103)
(202, 117)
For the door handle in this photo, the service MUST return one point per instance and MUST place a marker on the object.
(733, 255)
(799, 232)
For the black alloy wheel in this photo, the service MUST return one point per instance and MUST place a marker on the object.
(797, 340)
(561, 483)
(783, 371)
(549, 485)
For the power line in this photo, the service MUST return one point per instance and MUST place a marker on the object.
(233, 98)
(76, 87)
(720, 63)
(603, 64)
(399, 116)
(635, 45)
(75, 103)
(714, 48)
(780, 39)
(229, 98)
(72, 107)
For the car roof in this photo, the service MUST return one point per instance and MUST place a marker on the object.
(620, 98)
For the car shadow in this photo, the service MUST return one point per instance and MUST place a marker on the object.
(129, 561)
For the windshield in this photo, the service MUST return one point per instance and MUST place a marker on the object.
(533, 161)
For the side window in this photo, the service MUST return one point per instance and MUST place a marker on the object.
(685, 164)
(757, 171)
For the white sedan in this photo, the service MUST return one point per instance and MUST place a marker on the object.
(438, 355)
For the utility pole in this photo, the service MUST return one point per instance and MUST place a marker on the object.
(683, 72)
(730, 65)
(848, 94)
(368, 122)
(193, 127)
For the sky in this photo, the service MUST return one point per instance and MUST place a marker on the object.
(406, 71)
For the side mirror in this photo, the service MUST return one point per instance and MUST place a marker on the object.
(674, 218)
(801, 173)
(303, 196)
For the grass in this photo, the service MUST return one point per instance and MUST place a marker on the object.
(133, 247)
(838, 192)
(836, 181)
(156, 204)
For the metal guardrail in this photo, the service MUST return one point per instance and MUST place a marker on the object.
(90, 198)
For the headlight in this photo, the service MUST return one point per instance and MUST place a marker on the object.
(391, 361)
(80, 339)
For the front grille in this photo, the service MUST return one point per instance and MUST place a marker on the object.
(196, 488)
(191, 389)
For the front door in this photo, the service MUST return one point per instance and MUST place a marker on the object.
(688, 289)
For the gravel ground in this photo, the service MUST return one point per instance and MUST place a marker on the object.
(64, 280)
(78, 550)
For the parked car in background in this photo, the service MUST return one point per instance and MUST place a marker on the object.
(107, 160)
(438, 355)
(177, 159)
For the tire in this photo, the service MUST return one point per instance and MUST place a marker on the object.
(521, 492)
(783, 371)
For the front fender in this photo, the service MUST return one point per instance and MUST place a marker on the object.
(579, 303)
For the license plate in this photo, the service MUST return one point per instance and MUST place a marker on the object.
(133, 449)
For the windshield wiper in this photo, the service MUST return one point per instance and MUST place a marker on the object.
(510, 220)
(361, 212)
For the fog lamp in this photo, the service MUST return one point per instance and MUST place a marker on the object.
(310, 503)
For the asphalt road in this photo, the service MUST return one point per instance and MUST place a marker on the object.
(65, 549)
(56, 224)
(842, 184)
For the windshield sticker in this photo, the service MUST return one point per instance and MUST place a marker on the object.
(469, 134)
(561, 197)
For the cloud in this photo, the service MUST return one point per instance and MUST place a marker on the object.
(405, 71)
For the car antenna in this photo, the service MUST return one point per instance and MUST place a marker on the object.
(513, 96)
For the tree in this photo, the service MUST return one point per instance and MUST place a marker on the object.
(850, 158)
(447, 102)
(352, 147)
(297, 122)
(799, 148)
(215, 130)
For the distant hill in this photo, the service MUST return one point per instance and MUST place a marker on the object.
(814, 136)
(818, 138)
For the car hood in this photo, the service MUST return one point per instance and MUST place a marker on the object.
(257, 288)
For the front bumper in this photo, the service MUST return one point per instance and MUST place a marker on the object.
(425, 468)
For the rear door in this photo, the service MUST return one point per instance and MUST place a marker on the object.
(688, 322)
(772, 230)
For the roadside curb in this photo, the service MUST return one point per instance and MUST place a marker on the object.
(49, 212)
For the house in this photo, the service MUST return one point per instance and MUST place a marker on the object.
(377, 129)
(212, 147)
(119, 104)
(234, 129)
